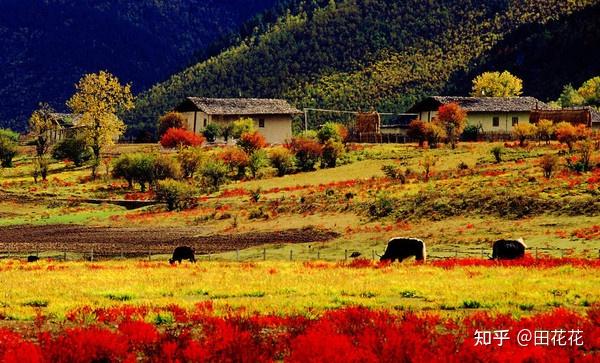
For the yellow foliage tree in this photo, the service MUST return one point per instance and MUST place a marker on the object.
(566, 133)
(434, 133)
(242, 126)
(523, 132)
(496, 84)
(590, 91)
(41, 123)
(545, 129)
(98, 99)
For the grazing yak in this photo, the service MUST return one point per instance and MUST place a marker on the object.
(400, 248)
(506, 249)
(32, 258)
(182, 253)
(355, 254)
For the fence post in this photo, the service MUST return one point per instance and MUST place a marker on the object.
(536, 253)
(373, 254)
(65, 256)
(345, 255)
(264, 254)
(237, 255)
(149, 256)
(291, 255)
(319, 254)
(456, 252)
(209, 255)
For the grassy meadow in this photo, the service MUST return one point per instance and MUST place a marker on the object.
(291, 288)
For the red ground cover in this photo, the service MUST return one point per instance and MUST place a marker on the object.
(351, 334)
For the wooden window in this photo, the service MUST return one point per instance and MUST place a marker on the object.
(496, 121)
(261, 122)
(205, 122)
(515, 121)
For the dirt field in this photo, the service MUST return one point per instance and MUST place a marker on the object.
(109, 240)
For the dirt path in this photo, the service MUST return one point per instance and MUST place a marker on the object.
(116, 240)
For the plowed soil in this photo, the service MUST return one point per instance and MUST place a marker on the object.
(116, 240)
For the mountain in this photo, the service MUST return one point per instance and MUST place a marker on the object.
(546, 56)
(47, 45)
(383, 54)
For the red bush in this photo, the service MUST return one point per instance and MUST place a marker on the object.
(234, 157)
(175, 137)
(353, 334)
(307, 152)
(251, 141)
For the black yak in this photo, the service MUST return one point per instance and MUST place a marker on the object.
(506, 249)
(400, 248)
(355, 254)
(182, 253)
(32, 258)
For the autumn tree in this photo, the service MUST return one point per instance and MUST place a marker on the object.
(434, 133)
(98, 99)
(453, 119)
(590, 91)
(566, 134)
(170, 120)
(524, 131)
(545, 129)
(496, 84)
(416, 130)
(41, 123)
(242, 126)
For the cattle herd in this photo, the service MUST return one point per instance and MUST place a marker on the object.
(398, 249)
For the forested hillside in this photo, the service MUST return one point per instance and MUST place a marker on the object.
(385, 54)
(48, 45)
(546, 56)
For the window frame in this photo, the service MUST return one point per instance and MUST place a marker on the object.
(495, 121)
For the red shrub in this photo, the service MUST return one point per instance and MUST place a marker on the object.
(251, 141)
(14, 349)
(592, 232)
(235, 158)
(87, 345)
(352, 334)
(527, 261)
(307, 152)
(175, 137)
(141, 335)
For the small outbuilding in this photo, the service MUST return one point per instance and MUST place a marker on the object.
(587, 116)
(65, 125)
(272, 117)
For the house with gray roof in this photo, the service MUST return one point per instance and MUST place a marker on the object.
(491, 114)
(272, 117)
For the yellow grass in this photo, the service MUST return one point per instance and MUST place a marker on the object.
(289, 287)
